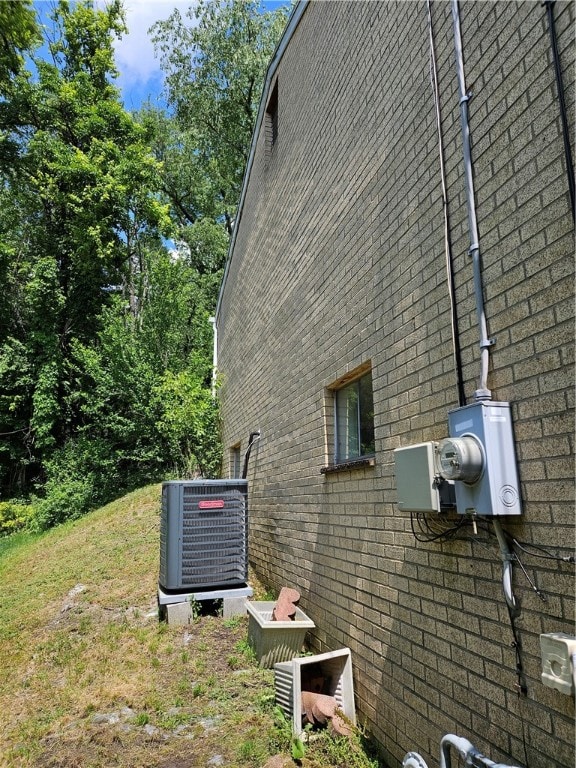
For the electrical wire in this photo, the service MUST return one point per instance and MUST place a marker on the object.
(540, 594)
(549, 5)
(447, 242)
(521, 685)
(434, 529)
(427, 529)
(547, 554)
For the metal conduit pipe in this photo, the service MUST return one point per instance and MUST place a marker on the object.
(507, 559)
(482, 393)
(466, 750)
(254, 437)
(414, 760)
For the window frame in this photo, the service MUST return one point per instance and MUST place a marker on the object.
(349, 459)
(271, 120)
(353, 423)
(235, 461)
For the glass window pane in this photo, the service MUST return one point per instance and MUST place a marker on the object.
(235, 461)
(355, 420)
(366, 416)
(347, 427)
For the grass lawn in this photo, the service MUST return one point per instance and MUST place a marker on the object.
(91, 679)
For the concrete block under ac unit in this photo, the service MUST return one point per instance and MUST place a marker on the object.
(557, 650)
(416, 478)
(328, 673)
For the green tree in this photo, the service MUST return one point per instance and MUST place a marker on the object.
(105, 340)
(215, 66)
(78, 215)
(19, 34)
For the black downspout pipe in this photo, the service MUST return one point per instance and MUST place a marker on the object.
(549, 4)
(254, 436)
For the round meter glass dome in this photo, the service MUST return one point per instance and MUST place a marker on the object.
(461, 458)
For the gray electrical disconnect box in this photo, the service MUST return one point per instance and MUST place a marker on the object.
(480, 457)
(416, 478)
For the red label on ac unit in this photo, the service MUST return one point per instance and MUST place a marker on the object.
(211, 504)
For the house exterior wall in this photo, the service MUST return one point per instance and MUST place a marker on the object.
(338, 261)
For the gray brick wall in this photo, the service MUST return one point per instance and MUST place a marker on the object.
(339, 260)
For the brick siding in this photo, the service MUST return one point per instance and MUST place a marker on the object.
(338, 261)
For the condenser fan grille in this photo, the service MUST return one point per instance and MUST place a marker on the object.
(203, 535)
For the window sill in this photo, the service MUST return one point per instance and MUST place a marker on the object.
(364, 461)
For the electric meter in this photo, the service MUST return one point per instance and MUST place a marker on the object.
(461, 458)
(479, 456)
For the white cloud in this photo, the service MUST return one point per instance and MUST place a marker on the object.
(135, 52)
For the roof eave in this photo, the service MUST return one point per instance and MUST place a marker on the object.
(293, 22)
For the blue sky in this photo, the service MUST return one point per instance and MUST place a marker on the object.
(140, 76)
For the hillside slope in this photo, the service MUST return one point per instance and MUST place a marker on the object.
(91, 679)
(89, 675)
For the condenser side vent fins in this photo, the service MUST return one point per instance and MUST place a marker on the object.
(203, 535)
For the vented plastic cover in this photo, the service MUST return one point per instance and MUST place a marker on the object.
(203, 534)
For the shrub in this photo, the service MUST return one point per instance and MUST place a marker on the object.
(14, 516)
(66, 499)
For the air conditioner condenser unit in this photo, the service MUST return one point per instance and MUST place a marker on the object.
(203, 535)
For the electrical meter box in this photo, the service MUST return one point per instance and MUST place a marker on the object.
(479, 456)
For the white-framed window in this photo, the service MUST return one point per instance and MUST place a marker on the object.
(354, 420)
(235, 469)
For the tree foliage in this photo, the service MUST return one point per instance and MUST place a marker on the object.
(105, 340)
(84, 186)
(214, 66)
(19, 33)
